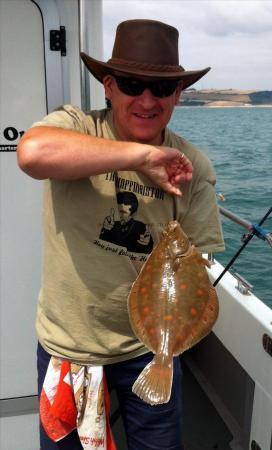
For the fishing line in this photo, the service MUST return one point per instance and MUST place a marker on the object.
(255, 231)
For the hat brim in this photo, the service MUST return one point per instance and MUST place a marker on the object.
(100, 69)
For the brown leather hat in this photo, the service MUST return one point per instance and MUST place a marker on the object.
(144, 48)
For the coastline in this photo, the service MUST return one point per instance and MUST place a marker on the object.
(225, 98)
(212, 105)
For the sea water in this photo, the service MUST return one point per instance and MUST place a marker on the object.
(239, 143)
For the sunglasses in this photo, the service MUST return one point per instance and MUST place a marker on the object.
(134, 87)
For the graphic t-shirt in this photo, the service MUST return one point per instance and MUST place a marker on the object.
(98, 232)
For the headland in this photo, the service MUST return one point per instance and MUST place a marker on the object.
(224, 98)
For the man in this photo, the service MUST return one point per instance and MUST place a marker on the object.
(87, 162)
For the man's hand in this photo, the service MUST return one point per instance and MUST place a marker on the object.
(167, 168)
(109, 221)
(145, 238)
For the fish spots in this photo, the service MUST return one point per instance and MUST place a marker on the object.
(146, 310)
(193, 312)
(168, 318)
(147, 321)
(193, 332)
(200, 292)
(183, 286)
(143, 290)
(211, 308)
(178, 342)
(160, 256)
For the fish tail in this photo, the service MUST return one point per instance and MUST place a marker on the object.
(154, 383)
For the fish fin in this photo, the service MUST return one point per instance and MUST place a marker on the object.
(154, 383)
(201, 260)
(206, 262)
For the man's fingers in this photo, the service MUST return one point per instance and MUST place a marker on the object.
(182, 176)
(172, 189)
(182, 163)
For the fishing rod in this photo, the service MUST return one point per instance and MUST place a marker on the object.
(254, 230)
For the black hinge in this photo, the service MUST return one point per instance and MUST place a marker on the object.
(267, 344)
(58, 40)
(255, 446)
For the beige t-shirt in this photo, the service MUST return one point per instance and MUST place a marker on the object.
(98, 232)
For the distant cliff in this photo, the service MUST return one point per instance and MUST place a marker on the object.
(225, 97)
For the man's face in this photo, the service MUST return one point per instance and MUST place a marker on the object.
(142, 118)
(124, 212)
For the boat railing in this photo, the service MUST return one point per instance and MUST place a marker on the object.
(257, 230)
(253, 230)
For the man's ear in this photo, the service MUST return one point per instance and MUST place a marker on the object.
(178, 92)
(108, 81)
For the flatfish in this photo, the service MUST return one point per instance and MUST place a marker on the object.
(172, 306)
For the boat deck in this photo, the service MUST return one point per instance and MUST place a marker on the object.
(204, 429)
(203, 426)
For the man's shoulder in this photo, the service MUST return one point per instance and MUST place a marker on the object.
(95, 122)
(79, 116)
(196, 155)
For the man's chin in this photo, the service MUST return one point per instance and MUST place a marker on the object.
(148, 138)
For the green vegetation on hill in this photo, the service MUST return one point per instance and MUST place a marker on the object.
(261, 97)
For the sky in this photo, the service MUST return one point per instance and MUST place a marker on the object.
(233, 37)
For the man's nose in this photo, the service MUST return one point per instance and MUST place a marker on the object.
(147, 99)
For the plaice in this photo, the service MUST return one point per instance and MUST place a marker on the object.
(172, 306)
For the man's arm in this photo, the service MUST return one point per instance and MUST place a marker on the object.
(52, 152)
